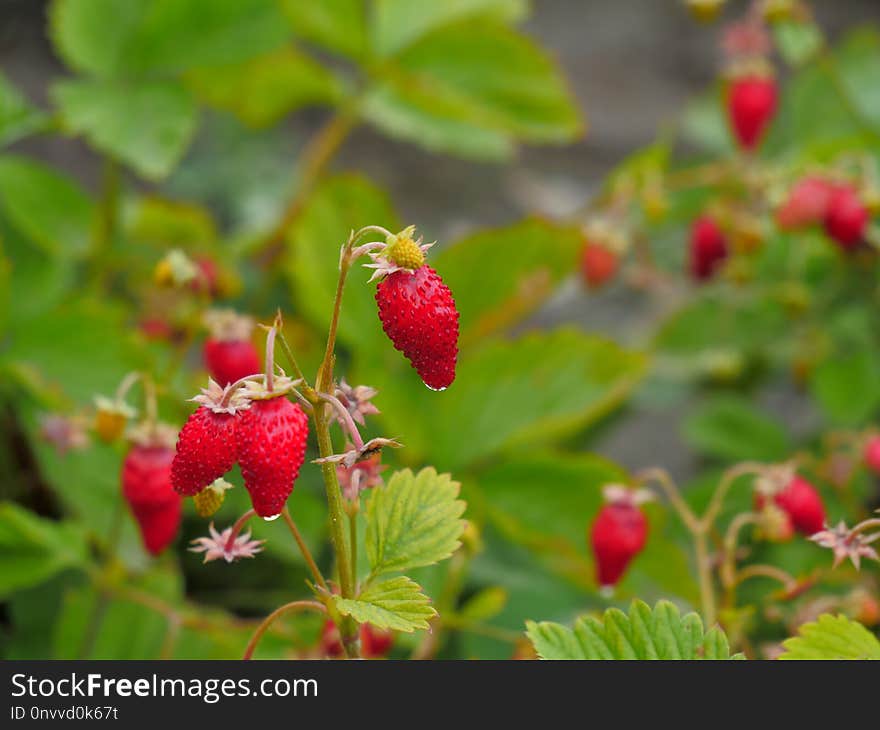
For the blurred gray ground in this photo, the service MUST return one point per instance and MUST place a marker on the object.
(631, 63)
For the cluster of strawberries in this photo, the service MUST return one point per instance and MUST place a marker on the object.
(247, 418)
(619, 531)
(751, 103)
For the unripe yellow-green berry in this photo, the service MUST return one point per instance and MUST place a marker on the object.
(210, 499)
(403, 251)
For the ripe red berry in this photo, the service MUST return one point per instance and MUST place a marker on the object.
(801, 502)
(618, 534)
(846, 217)
(418, 314)
(146, 486)
(806, 204)
(871, 454)
(271, 438)
(206, 450)
(375, 642)
(751, 104)
(598, 264)
(230, 360)
(708, 248)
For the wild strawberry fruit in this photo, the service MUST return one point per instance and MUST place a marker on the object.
(751, 104)
(229, 354)
(774, 524)
(708, 248)
(618, 533)
(146, 486)
(207, 442)
(871, 453)
(846, 217)
(806, 204)
(417, 309)
(375, 642)
(801, 502)
(271, 446)
(598, 264)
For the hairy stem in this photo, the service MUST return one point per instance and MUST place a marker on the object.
(293, 607)
(666, 483)
(704, 572)
(316, 156)
(347, 628)
(348, 422)
(727, 480)
(236, 528)
(303, 548)
(765, 571)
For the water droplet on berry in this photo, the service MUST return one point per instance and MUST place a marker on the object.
(272, 518)
(436, 390)
(606, 591)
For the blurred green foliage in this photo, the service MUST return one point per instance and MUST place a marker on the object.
(459, 77)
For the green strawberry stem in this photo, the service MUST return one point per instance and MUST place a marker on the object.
(303, 548)
(347, 626)
(324, 384)
(292, 607)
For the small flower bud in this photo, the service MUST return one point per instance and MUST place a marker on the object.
(176, 269)
(111, 418)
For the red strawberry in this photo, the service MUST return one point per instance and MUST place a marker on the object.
(205, 450)
(230, 360)
(806, 204)
(418, 314)
(598, 264)
(751, 104)
(846, 217)
(708, 248)
(871, 454)
(229, 353)
(146, 485)
(618, 534)
(801, 502)
(271, 438)
(375, 643)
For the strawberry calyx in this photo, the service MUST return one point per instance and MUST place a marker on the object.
(227, 325)
(401, 252)
(259, 390)
(622, 495)
(153, 434)
(230, 399)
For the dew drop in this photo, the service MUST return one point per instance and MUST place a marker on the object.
(436, 390)
(606, 591)
(272, 518)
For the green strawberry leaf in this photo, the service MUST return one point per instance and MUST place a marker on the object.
(413, 521)
(661, 633)
(147, 125)
(832, 637)
(33, 549)
(49, 208)
(395, 603)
